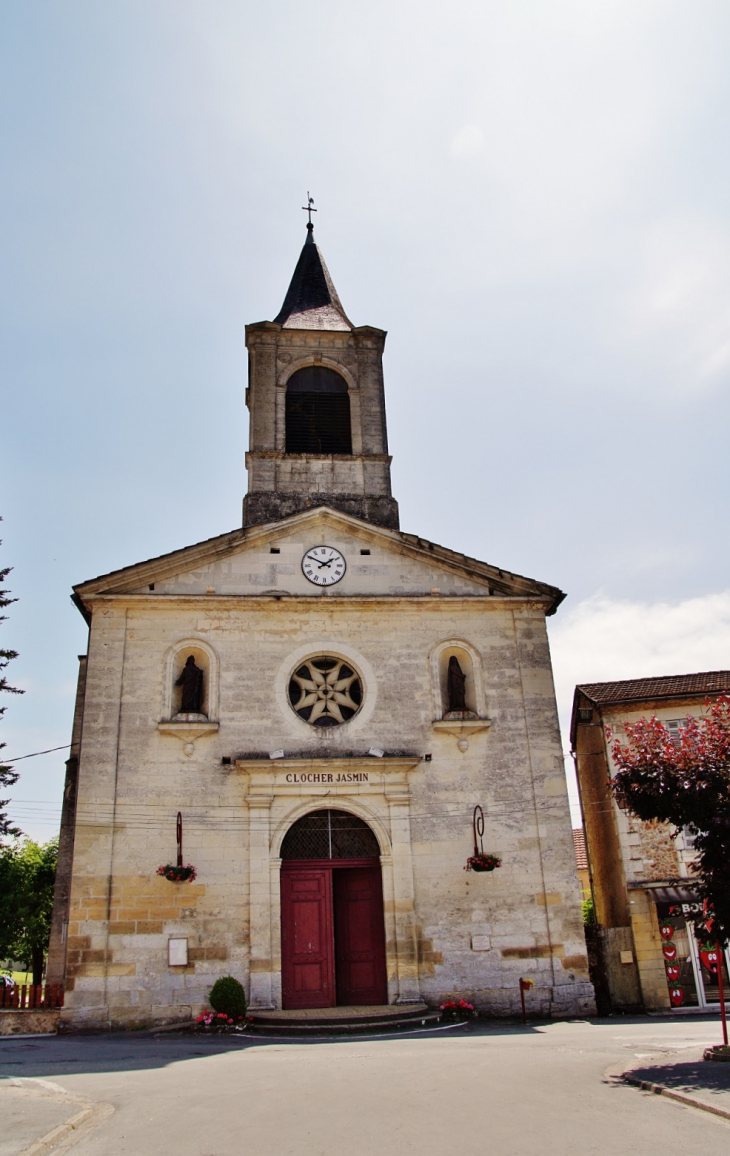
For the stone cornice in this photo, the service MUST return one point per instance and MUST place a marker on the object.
(280, 455)
(328, 777)
(324, 597)
(318, 762)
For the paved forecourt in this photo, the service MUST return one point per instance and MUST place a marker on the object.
(517, 1091)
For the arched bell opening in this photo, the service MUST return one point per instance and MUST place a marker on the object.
(332, 926)
(317, 412)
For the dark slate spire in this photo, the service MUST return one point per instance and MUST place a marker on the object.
(311, 301)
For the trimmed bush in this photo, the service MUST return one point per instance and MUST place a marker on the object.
(227, 995)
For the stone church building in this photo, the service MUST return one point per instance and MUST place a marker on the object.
(325, 700)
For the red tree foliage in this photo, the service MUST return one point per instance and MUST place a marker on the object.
(685, 780)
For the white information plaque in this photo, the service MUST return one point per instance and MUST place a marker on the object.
(177, 952)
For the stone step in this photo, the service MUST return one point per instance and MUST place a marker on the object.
(343, 1020)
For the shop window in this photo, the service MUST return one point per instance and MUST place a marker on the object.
(690, 961)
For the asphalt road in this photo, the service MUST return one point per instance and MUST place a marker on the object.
(471, 1090)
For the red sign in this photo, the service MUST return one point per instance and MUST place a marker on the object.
(673, 970)
(666, 931)
(676, 996)
(669, 952)
(710, 959)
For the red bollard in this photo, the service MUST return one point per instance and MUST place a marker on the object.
(721, 993)
(525, 985)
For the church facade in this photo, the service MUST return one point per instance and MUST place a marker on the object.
(324, 701)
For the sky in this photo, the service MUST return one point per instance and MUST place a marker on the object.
(533, 199)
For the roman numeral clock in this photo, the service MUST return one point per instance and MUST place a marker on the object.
(323, 565)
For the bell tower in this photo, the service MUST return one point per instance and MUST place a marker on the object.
(317, 407)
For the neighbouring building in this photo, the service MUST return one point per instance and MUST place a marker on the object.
(324, 699)
(641, 873)
(581, 861)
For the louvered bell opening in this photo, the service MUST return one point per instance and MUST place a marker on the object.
(317, 412)
(330, 835)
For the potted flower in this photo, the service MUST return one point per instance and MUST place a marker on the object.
(480, 861)
(220, 1022)
(178, 872)
(457, 1009)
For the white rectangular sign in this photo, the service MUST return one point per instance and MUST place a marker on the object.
(177, 952)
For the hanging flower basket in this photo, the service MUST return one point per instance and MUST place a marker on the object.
(177, 874)
(457, 1009)
(483, 862)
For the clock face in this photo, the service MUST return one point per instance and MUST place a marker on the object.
(323, 565)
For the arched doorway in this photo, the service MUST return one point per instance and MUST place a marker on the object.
(332, 930)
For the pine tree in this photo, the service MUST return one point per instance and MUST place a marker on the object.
(8, 776)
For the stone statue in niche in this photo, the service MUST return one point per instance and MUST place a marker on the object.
(191, 681)
(456, 692)
(456, 685)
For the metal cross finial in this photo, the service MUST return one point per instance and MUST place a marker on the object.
(308, 209)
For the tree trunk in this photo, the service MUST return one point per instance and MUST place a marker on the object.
(37, 954)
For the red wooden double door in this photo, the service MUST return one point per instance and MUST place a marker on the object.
(332, 933)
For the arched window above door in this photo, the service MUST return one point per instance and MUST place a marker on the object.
(330, 835)
(317, 412)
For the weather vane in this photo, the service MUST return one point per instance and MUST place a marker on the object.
(308, 209)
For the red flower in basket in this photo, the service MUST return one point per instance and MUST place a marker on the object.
(177, 873)
(483, 862)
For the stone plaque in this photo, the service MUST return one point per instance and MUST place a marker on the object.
(480, 943)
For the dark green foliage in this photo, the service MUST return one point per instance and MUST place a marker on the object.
(589, 912)
(227, 995)
(27, 877)
(7, 775)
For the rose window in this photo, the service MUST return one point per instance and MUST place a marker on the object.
(325, 691)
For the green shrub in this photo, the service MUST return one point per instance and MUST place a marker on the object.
(589, 913)
(227, 995)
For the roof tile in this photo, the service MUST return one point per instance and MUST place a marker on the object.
(665, 686)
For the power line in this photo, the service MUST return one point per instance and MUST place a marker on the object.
(50, 750)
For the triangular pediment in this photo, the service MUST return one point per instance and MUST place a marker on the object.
(267, 560)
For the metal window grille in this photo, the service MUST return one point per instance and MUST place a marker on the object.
(330, 835)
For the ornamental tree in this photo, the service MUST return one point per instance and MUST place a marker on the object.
(685, 780)
(27, 876)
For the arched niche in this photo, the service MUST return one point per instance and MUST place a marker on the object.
(317, 418)
(207, 660)
(470, 663)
